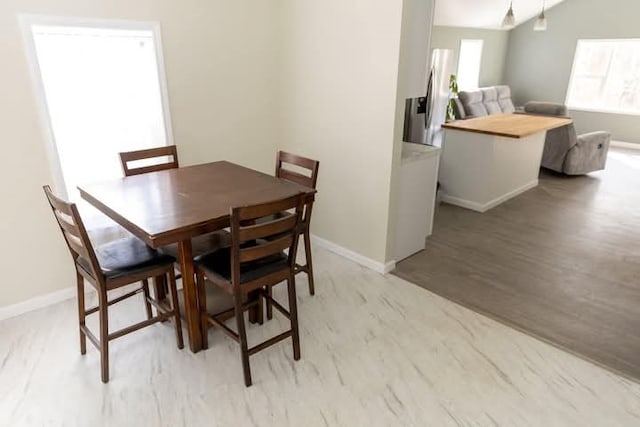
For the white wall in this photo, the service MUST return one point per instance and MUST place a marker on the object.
(340, 84)
(222, 60)
(415, 60)
(245, 78)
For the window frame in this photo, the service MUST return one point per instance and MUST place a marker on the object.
(28, 21)
(574, 107)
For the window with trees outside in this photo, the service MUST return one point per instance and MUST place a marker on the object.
(606, 76)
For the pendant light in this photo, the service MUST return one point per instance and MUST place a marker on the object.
(541, 22)
(509, 20)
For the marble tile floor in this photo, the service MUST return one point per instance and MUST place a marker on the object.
(376, 351)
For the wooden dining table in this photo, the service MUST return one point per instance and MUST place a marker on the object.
(176, 205)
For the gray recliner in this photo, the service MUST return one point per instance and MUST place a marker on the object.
(566, 152)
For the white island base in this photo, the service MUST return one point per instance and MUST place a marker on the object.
(488, 160)
(479, 171)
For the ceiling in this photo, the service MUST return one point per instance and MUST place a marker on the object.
(486, 13)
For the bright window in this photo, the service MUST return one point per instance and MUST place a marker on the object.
(469, 64)
(606, 76)
(102, 91)
(103, 96)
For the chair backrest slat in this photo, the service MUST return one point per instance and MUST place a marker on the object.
(283, 158)
(264, 250)
(269, 237)
(296, 177)
(75, 244)
(73, 231)
(271, 228)
(248, 213)
(150, 153)
(66, 223)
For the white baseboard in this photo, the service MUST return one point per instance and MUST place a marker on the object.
(622, 144)
(483, 207)
(354, 256)
(37, 303)
(46, 300)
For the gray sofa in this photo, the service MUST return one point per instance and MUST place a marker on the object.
(566, 152)
(483, 102)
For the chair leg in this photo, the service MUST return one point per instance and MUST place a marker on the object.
(268, 302)
(173, 290)
(307, 254)
(81, 313)
(145, 292)
(260, 309)
(202, 308)
(255, 312)
(293, 314)
(104, 334)
(242, 335)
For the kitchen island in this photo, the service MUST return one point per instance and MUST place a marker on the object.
(488, 160)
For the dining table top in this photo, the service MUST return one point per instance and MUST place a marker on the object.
(168, 206)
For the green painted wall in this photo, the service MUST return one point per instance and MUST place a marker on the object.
(538, 64)
(494, 49)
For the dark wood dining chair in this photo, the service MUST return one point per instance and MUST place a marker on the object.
(112, 266)
(148, 154)
(255, 261)
(309, 180)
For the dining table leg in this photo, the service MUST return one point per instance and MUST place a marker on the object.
(194, 331)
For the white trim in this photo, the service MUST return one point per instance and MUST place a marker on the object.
(478, 207)
(49, 299)
(27, 21)
(162, 81)
(622, 144)
(603, 110)
(36, 303)
(364, 261)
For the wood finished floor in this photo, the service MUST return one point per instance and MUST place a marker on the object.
(560, 262)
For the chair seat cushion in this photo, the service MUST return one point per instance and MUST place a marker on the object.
(125, 257)
(218, 263)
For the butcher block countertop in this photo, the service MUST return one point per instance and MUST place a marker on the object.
(508, 125)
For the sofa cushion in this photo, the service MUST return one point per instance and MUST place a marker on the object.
(458, 109)
(545, 108)
(485, 101)
(504, 99)
(490, 100)
(472, 102)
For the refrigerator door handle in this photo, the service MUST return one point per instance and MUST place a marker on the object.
(429, 100)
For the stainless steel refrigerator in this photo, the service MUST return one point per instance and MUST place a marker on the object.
(425, 115)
